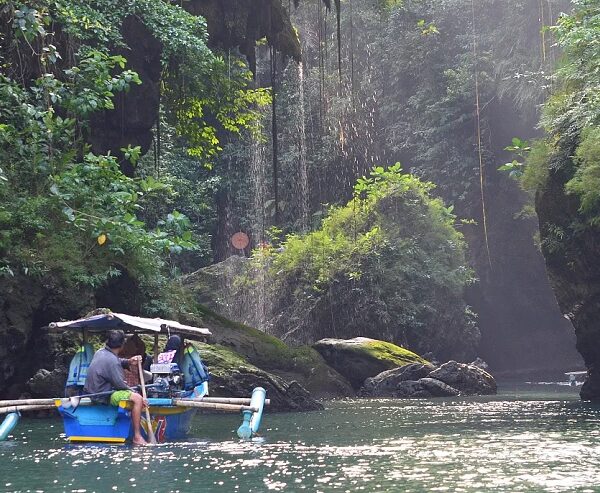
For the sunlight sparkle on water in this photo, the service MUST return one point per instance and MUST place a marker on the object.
(480, 444)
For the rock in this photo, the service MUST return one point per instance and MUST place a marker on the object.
(570, 247)
(360, 358)
(303, 364)
(437, 388)
(479, 363)
(27, 304)
(47, 383)
(467, 379)
(410, 388)
(212, 287)
(387, 382)
(234, 376)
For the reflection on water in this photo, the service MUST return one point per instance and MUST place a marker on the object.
(522, 440)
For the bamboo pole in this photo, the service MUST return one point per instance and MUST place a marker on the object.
(215, 406)
(26, 402)
(15, 409)
(147, 411)
(51, 401)
(232, 400)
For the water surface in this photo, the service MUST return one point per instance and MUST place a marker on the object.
(528, 438)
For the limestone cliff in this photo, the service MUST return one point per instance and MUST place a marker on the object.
(571, 254)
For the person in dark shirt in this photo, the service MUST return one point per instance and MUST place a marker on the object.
(105, 373)
(174, 343)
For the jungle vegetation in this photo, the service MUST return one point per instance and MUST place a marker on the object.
(295, 155)
(388, 265)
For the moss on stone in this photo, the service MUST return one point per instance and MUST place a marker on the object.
(396, 355)
(264, 351)
(220, 359)
(360, 358)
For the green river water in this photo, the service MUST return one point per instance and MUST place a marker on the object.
(528, 438)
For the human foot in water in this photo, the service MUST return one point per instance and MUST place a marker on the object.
(139, 441)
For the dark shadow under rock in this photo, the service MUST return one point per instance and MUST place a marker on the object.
(411, 389)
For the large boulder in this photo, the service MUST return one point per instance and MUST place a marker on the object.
(467, 379)
(437, 388)
(46, 383)
(360, 358)
(233, 376)
(303, 364)
(423, 388)
(387, 382)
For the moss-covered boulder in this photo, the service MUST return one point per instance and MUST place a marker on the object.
(233, 376)
(360, 358)
(302, 364)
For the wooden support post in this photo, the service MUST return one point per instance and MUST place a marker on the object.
(155, 349)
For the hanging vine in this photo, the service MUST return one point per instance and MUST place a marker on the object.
(479, 145)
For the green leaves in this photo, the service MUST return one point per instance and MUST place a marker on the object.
(519, 146)
(427, 29)
(515, 168)
(132, 154)
(571, 118)
(215, 92)
(29, 22)
(91, 84)
(389, 262)
(382, 180)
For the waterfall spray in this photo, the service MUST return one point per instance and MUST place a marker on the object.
(303, 168)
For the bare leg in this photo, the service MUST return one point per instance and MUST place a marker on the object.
(136, 416)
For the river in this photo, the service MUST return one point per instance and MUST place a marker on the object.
(527, 438)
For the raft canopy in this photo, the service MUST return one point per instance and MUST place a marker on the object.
(129, 323)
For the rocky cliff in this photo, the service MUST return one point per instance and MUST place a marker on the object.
(571, 254)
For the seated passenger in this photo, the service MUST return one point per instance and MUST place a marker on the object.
(174, 343)
(106, 373)
(134, 346)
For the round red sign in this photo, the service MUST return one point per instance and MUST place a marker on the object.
(240, 240)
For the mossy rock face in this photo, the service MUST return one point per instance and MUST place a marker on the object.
(233, 376)
(360, 358)
(570, 248)
(28, 304)
(302, 364)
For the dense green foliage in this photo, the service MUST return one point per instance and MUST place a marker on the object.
(61, 209)
(571, 120)
(572, 114)
(384, 260)
(388, 265)
(68, 212)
